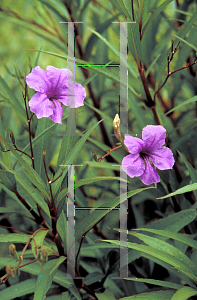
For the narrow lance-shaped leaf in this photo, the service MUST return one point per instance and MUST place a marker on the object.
(155, 13)
(159, 295)
(71, 156)
(93, 218)
(184, 293)
(157, 282)
(185, 189)
(143, 10)
(193, 99)
(14, 102)
(167, 248)
(161, 255)
(22, 288)
(44, 143)
(134, 42)
(85, 181)
(68, 140)
(176, 236)
(185, 29)
(45, 278)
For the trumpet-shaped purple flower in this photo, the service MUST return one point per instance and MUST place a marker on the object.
(54, 88)
(146, 154)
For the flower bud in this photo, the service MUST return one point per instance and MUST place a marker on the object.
(11, 272)
(12, 251)
(116, 125)
(44, 254)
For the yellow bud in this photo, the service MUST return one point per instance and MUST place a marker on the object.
(44, 252)
(12, 251)
(116, 125)
(10, 271)
(43, 255)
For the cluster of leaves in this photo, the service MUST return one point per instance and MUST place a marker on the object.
(36, 155)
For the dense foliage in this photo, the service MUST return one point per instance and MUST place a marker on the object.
(73, 225)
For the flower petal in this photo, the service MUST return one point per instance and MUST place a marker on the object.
(150, 175)
(57, 112)
(73, 96)
(38, 81)
(133, 165)
(59, 80)
(134, 144)
(162, 158)
(153, 136)
(41, 105)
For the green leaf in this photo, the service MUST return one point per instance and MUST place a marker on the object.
(68, 139)
(167, 248)
(155, 14)
(193, 99)
(93, 277)
(34, 269)
(38, 148)
(38, 32)
(37, 138)
(8, 179)
(58, 8)
(107, 295)
(171, 235)
(94, 217)
(172, 223)
(134, 106)
(124, 6)
(85, 181)
(37, 184)
(10, 210)
(39, 240)
(62, 228)
(185, 29)
(102, 165)
(185, 189)
(2, 130)
(134, 42)
(115, 51)
(20, 289)
(162, 255)
(45, 278)
(27, 167)
(143, 10)
(157, 282)
(71, 156)
(175, 221)
(64, 296)
(92, 40)
(13, 101)
(14, 238)
(160, 295)
(187, 43)
(184, 293)
(33, 194)
(192, 171)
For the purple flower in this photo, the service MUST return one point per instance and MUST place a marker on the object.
(146, 154)
(54, 88)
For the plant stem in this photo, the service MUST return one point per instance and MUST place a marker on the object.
(28, 121)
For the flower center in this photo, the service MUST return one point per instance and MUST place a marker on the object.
(53, 97)
(145, 158)
(143, 155)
